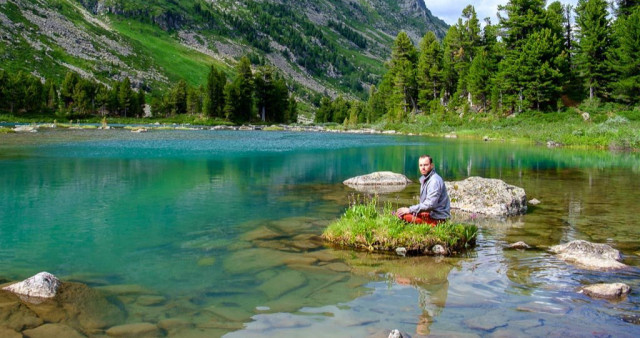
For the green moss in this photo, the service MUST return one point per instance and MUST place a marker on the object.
(5, 130)
(364, 226)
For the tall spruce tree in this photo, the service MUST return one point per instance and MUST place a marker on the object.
(627, 58)
(244, 86)
(594, 41)
(429, 74)
(404, 89)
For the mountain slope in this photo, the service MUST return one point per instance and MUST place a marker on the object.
(330, 46)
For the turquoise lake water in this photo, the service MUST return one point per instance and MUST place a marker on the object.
(221, 228)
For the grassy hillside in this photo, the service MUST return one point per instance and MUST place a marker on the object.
(329, 46)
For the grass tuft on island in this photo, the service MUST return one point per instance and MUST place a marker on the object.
(363, 226)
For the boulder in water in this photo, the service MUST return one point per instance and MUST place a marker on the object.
(591, 256)
(606, 291)
(378, 182)
(487, 196)
(41, 285)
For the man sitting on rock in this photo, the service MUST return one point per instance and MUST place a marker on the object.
(434, 206)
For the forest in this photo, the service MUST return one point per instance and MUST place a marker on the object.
(535, 58)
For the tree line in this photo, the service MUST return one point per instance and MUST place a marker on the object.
(262, 95)
(535, 58)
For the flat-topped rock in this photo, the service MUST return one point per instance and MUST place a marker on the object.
(378, 182)
(591, 256)
(487, 196)
(606, 291)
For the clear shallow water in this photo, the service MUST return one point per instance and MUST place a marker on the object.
(221, 228)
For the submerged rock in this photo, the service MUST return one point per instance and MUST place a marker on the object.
(134, 330)
(52, 330)
(534, 201)
(487, 196)
(41, 285)
(519, 245)
(606, 291)
(378, 182)
(592, 256)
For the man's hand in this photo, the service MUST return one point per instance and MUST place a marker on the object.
(402, 211)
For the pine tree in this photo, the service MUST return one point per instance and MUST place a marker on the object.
(214, 98)
(67, 87)
(479, 78)
(178, 99)
(125, 96)
(244, 85)
(404, 90)
(627, 58)
(429, 74)
(593, 45)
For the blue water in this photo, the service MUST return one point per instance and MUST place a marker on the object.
(175, 213)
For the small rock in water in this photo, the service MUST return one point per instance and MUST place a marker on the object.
(262, 308)
(534, 202)
(593, 256)
(438, 249)
(395, 334)
(42, 285)
(519, 245)
(401, 251)
(606, 291)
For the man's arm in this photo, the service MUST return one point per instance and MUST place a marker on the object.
(434, 190)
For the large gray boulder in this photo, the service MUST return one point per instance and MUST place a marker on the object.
(606, 291)
(42, 285)
(587, 255)
(487, 196)
(378, 182)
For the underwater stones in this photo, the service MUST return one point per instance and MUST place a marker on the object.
(534, 201)
(337, 267)
(6, 332)
(395, 333)
(134, 330)
(378, 182)
(606, 291)
(261, 233)
(591, 256)
(487, 196)
(542, 307)
(171, 324)
(401, 251)
(87, 307)
(282, 283)
(306, 242)
(230, 313)
(16, 316)
(293, 225)
(125, 289)
(486, 322)
(148, 300)
(255, 259)
(52, 330)
(41, 285)
(207, 261)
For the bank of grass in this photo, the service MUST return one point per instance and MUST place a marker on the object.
(372, 227)
(5, 130)
(607, 127)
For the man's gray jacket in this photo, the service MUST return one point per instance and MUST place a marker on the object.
(433, 197)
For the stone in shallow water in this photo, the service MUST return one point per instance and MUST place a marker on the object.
(592, 256)
(337, 267)
(487, 196)
(125, 289)
(486, 322)
(52, 330)
(6, 332)
(136, 330)
(282, 283)
(148, 300)
(206, 261)
(541, 307)
(41, 285)
(231, 313)
(262, 232)
(293, 225)
(606, 291)
(173, 324)
(15, 315)
(519, 245)
(87, 307)
(378, 182)
(254, 260)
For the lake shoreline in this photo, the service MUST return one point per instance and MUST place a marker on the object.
(503, 135)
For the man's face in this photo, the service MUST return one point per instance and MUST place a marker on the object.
(425, 166)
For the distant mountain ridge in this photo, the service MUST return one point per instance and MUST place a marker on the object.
(326, 46)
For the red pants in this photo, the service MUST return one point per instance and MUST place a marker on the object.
(422, 217)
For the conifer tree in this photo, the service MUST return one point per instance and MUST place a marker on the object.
(125, 96)
(627, 58)
(178, 98)
(67, 87)
(429, 75)
(593, 45)
(244, 86)
(404, 90)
